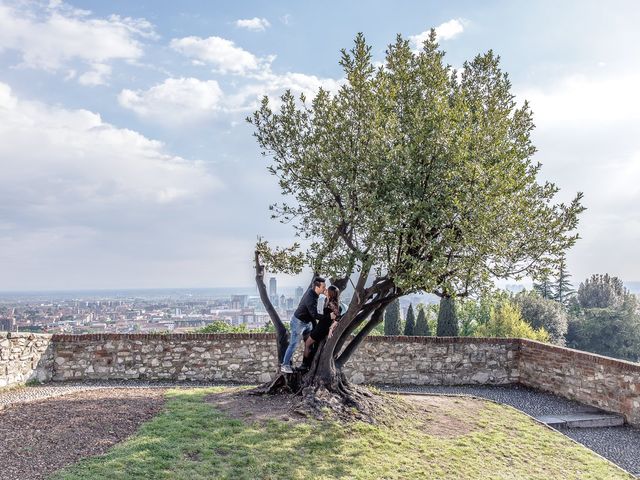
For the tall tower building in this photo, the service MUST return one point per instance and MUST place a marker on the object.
(273, 291)
(299, 293)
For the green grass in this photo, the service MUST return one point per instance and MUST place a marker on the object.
(192, 440)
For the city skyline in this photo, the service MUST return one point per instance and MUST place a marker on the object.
(126, 162)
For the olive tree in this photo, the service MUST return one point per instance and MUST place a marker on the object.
(412, 177)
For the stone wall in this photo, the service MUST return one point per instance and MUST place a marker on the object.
(252, 358)
(607, 383)
(219, 357)
(435, 361)
(24, 357)
(610, 384)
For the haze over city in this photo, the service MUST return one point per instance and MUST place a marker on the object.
(125, 160)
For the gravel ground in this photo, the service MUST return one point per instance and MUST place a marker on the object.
(43, 435)
(621, 445)
(27, 394)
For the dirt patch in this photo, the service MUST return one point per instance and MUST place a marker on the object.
(445, 416)
(437, 415)
(241, 405)
(40, 437)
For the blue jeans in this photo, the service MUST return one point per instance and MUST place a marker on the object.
(298, 327)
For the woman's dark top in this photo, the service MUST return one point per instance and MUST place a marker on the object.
(321, 330)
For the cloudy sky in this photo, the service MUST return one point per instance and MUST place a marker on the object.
(125, 161)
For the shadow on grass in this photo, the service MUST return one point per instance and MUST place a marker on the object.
(191, 439)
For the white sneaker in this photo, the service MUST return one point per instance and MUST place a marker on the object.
(286, 368)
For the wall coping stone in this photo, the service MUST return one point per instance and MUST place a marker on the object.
(591, 357)
(28, 335)
(90, 337)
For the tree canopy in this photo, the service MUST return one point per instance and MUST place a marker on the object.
(602, 291)
(424, 175)
(543, 312)
(506, 321)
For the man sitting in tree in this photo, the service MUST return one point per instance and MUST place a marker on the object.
(303, 320)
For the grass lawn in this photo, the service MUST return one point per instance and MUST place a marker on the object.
(438, 437)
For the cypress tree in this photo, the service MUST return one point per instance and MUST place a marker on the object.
(447, 321)
(392, 322)
(544, 288)
(422, 326)
(563, 287)
(410, 324)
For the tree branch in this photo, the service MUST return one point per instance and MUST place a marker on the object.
(376, 319)
(282, 335)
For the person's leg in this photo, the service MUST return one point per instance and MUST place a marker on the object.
(307, 346)
(296, 327)
(307, 356)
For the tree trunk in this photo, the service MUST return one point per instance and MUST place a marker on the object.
(282, 335)
(324, 387)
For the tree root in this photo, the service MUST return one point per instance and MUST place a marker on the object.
(340, 399)
(283, 383)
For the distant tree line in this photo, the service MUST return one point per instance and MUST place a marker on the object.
(601, 316)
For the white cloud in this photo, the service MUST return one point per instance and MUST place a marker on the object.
(444, 31)
(450, 29)
(588, 136)
(180, 101)
(223, 54)
(248, 96)
(176, 100)
(53, 37)
(578, 99)
(255, 24)
(68, 163)
(97, 76)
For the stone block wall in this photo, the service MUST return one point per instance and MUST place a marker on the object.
(603, 382)
(220, 357)
(252, 358)
(435, 361)
(24, 357)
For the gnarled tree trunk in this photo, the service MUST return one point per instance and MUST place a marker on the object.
(325, 385)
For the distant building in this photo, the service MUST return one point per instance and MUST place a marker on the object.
(239, 301)
(299, 293)
(273, 291)
(8, 325)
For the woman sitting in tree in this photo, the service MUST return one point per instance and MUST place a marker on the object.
(325, 326)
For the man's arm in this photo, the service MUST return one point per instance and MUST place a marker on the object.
(312, 307)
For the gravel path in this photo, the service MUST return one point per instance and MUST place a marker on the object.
(49, 390)
(621, 445)
(44, 435)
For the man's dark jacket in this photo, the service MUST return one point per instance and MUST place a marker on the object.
(307, 311)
